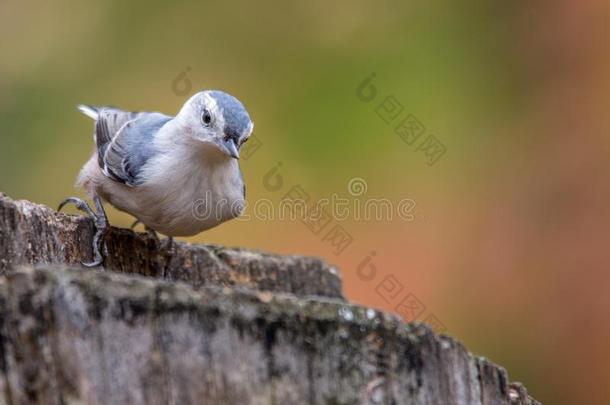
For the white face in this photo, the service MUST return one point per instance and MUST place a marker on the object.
(209, 122)
(206, 118)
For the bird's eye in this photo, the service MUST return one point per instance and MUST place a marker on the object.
(244, 140)
(206, 118)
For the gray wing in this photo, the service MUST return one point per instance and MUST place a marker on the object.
(125, 142)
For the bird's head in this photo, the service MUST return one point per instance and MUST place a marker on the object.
(217, 118)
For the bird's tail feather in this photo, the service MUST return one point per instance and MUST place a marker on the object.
(89, 111)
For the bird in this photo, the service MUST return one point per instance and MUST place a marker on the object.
(178, 175)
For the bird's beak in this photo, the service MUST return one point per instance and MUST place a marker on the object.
(231, 148)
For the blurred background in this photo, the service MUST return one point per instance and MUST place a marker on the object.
(505, 156)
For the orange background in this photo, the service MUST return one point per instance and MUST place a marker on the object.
(507, 248)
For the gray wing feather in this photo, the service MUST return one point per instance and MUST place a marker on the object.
(124, 142)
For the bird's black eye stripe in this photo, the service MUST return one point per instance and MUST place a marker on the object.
(206, 117)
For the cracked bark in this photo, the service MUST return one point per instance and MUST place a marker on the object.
(276, 330)
(32, 233)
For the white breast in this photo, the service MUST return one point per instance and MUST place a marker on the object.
(187, 191)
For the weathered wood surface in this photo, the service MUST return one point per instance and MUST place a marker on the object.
(32, 233)
(74, 336)
(206, 325)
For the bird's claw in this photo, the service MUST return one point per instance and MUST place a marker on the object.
(135, 223)
(79, 203)
(152, 234)
(95, 263)
(100, 221)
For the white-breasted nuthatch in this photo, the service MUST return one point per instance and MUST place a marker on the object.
(156, 167)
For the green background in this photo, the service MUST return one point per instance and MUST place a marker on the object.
(508, 245)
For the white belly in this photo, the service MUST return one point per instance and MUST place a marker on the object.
(180, 200)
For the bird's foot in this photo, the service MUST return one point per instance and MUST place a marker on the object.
(135, 223)
(153, 234)
(100, 222)
(170, 244)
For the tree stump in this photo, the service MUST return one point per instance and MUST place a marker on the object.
(199, 324)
